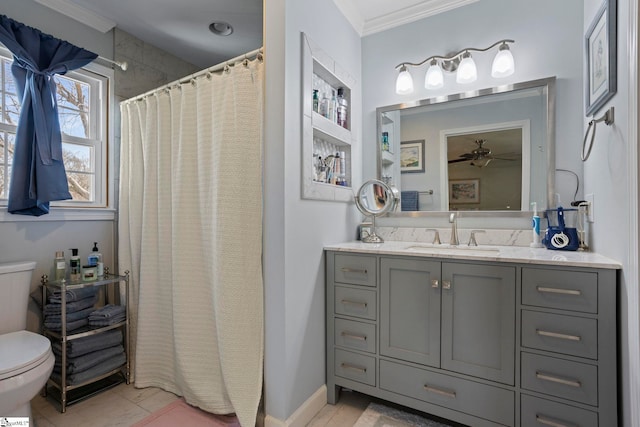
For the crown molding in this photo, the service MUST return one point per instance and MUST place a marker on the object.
(395, 18)
(80, 14)
(352, 13)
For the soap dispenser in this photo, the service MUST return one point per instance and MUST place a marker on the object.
(95, 259)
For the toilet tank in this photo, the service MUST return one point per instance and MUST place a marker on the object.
(15, 284)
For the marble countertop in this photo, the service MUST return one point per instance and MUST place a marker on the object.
(515, 254)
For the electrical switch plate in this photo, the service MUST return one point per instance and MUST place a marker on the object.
(591, 208)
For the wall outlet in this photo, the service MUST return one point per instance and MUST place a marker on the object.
(591, 208)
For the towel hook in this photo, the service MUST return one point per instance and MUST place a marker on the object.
(607, 117)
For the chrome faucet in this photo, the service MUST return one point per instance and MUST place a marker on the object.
(453, 219)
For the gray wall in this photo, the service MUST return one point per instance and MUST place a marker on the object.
(549, 41)
(38, 239)
(295, 230)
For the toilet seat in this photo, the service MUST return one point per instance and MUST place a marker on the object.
(22, 351)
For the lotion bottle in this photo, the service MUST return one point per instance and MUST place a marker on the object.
(74, 266)
(535, 223)
(59, 266)
(95, 259)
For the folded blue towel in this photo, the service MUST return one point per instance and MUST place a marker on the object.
(106, 322)
(109, 310)
(72, 306)
(89, 360)
(409, 200)
(91, 373)
(71, 326)
(73, 295)
(74, 315)
(85, 345)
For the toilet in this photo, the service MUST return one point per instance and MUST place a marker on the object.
(26, 359)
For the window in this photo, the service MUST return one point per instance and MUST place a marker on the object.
(82, 97)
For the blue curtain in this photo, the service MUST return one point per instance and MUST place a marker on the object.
(38, 175)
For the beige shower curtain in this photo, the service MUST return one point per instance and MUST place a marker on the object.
(190, 232)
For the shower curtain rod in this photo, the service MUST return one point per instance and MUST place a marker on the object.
(123, 65)
(221, 66)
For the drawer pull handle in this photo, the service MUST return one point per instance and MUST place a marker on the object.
(353, 367)
(446, 284)
(353, 270)
(558, 291)
(546, 377)
(362, 304)
(353, 336)
(547, 422)
(557, 335)
(435, 283)
(451, 394)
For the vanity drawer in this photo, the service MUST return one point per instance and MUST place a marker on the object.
(562, 378)
(355, 269)
(576, 336)
(480, 400)
(355, 367)
(355, 335)
(355, 302)
(535, 412)
(564, 290)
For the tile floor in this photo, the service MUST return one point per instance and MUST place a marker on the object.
(125, 405)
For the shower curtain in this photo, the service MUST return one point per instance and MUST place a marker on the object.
(190, 232)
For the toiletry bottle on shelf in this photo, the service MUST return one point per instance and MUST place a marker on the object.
(324, 106)
(333, 107)
(74, 266)
(59, 266)
(342, 109)
(95, 259)
(385, 141)
(535, 223)
(316, 100)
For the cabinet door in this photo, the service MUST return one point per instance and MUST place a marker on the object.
(410, 310)
(478, 320)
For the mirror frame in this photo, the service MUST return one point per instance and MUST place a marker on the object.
(546, 83)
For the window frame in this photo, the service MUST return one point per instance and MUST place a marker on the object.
(102, 207)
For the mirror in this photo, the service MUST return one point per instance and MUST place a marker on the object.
(375, 198)
(486, 150)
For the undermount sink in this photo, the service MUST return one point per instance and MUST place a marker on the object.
(456, 250)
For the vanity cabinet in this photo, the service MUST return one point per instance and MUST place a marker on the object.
(477, 342)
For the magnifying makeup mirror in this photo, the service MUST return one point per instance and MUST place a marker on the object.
(376, 198)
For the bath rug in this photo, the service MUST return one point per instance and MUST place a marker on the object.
(180, 413)
(377, 415)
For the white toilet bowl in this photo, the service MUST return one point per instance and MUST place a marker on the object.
(26, 361)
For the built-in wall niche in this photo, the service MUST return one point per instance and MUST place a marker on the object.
(327, 138)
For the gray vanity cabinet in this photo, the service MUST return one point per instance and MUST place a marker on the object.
(454, 316)
(478, 328)
(410, 310)
(481, 343)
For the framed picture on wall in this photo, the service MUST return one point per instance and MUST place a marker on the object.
(464, 191)
(601, 55)
(412, 156)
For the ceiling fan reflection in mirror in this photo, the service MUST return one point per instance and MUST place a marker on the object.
(481, 156)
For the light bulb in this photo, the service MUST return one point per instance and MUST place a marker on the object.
(404, 83)
(503, 64)
(434, 79)
(467, 71)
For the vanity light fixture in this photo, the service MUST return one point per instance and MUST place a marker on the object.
(461, 62)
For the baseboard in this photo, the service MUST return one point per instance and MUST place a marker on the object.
(304, 414)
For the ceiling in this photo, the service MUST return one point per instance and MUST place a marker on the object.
(182, 27)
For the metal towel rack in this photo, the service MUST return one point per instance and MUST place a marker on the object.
(608, 118)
